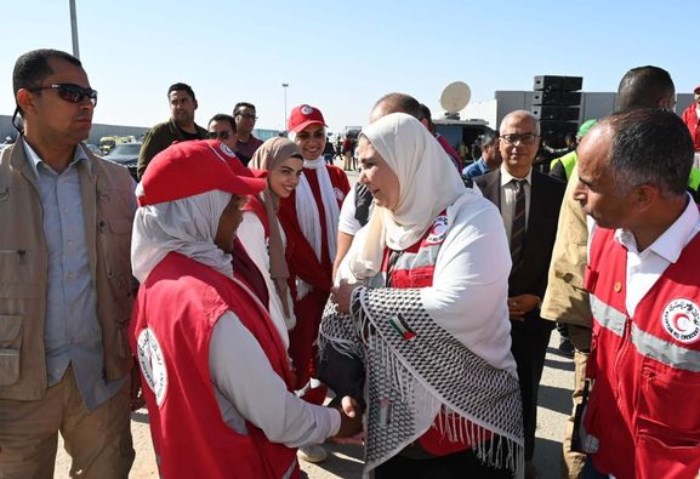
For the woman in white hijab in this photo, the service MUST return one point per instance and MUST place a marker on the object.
(421, 302)
(214, 366)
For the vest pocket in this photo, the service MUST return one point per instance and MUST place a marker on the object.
(658, 457)
(667, 404)
(10, 343)
(116, 248)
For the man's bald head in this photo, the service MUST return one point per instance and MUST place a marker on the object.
(519, 141)
(396, 103)
(520, 116)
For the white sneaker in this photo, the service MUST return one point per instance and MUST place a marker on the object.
(314, 453)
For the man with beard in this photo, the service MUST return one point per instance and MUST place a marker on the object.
(180, 126)
(245, 116)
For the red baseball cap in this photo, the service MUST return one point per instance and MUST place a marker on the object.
(303, 116)
(191, 168)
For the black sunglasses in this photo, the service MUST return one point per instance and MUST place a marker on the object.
(221, 135)
(70, 92)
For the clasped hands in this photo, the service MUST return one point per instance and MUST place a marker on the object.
(350, 431)
(520, 305)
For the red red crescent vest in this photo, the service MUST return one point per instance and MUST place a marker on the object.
(414, 268)
(303, 263)
(176, 310)
(644, 409)
(255, 205)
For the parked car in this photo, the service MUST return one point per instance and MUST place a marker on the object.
(94, 149)
(126, 154)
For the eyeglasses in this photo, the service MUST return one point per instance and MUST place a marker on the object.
(221, 135)
(524, 138)
(305, 136)
(247, 116)
(70, 92)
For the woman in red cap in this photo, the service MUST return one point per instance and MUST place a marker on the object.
(216, 378)
(310, 219)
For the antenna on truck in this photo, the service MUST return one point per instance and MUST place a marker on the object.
(454, 98)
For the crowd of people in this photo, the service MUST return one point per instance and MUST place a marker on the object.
(259, 305)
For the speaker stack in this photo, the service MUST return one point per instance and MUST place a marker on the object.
(557, 104)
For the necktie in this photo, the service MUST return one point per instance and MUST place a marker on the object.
(517, 230)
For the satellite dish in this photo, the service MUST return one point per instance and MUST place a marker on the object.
(455, 97)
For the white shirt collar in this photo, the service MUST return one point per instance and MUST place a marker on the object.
(672, 241)
(507, 177)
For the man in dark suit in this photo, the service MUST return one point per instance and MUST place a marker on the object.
(529, 202)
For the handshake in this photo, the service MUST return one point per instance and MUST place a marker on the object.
(350, 418)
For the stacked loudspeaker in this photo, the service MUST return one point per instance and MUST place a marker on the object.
(557, 104)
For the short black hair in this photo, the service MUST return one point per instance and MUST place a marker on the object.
(644, 87)
(182, 87)
(650, 146)
(401, 103)
(33, 67)
(219, 117)
(242, 104)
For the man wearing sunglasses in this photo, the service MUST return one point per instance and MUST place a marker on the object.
(65, 277)
(223, 128)
(245, 116)
(180, 126)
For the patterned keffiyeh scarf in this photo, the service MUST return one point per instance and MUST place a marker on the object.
(415, 369)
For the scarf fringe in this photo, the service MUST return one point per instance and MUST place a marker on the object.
(355, 337)
(450, 424)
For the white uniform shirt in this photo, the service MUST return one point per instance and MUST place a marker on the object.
(644, 268)
(247, 387)
(251, 233)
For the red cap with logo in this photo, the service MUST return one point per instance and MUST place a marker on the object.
(191, 168)
(304, 116)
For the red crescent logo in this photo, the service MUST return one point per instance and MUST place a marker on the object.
(682, 322)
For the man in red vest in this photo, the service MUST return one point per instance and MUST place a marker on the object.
(642, 419)
(692, 118)
(218, 386)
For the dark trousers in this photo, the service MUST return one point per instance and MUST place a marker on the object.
(454, 466)
(530, 340)
(590, 472)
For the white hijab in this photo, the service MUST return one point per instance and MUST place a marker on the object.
(428, 184)
(187, 226)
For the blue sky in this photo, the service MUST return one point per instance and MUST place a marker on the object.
(342, 56)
